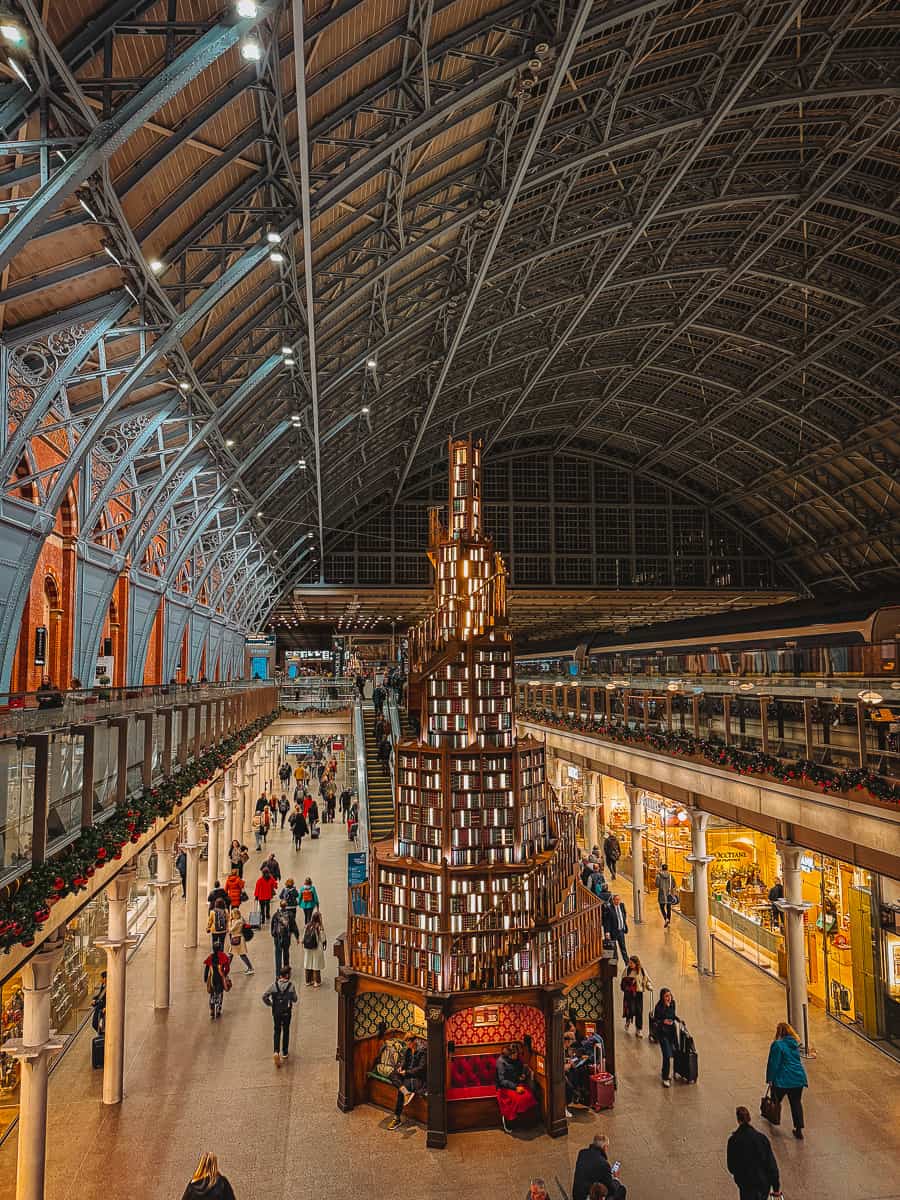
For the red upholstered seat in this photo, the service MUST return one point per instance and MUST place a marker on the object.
(472, 1077)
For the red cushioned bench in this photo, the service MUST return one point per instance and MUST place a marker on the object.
(473, 1077)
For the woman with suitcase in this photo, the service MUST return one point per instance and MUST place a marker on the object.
(786, 1073)
(665, 1032)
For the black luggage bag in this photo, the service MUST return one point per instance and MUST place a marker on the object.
(97, 1046)
(685, 1064)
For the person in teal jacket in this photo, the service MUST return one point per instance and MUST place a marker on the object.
(309, 899)
(786, 1073)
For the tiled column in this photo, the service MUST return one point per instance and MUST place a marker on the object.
(212, 821)
(701, 860)
(192, 848)
(163, 885)
(794, 906)
(636, 829)
(117, 943)
(34, 1049)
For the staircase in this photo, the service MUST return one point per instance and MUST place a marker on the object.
(378, 785)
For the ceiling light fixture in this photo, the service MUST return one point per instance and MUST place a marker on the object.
(21, 74)
(12, 32)
(156, 266)
(365, 410)
(276, 257)
(229, 442)
(246, 8)
(273, 237)
(251, 50)
(185, 385)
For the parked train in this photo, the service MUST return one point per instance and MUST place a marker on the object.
(855, 636)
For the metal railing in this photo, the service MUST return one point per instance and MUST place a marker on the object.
(317, 695)
(362, 795)
(57, 708)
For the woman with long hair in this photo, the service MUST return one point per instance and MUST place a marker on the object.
(634, 983)
(207, 1182)
(663, 1027)
(786, 1074)
(314, 950)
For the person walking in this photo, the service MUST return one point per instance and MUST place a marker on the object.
(330, 804)
(634, 983)
(665, 1031)
(258, 827)
(281, 996)
(237, 941)
(207, 1183)
(284, 806)
(237, 856)
(750, 1160)
(346, 796)
(612, 852)
(786, 1073)
(665, 889)
(309, 899)
(314, 944)
(264, 891)
(615, 922)
(271, 865)
(299, 827)
(312, 817)
(291, 897)
(217, 924)
(216, 892)
(215, 975)
(282, 928)
(234, 889)
(181, 868)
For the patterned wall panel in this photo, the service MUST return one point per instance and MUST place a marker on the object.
(372, 1008)
(586, 998)
(515, 1021)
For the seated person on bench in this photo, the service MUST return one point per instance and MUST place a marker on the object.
(577, 1071)
(516, 1089)
(411, 1077)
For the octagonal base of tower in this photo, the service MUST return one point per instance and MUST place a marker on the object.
(464, 1032)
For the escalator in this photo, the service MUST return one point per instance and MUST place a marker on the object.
(378, 785)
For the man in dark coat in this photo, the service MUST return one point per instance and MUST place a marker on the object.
(615, 923)
(612, 852)
(751, 1161)
(411, 1078)
(593, 1166)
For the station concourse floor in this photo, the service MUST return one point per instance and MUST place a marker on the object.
(193, 1085)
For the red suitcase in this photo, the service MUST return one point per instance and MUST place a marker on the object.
(602, 1084)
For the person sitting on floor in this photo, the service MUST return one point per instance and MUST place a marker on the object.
(516, 1092)
(412, 1077)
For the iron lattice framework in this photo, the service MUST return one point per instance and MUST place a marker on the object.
(660, 236)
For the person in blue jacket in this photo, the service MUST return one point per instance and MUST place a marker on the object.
(786, 1073)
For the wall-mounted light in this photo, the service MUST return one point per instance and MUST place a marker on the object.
(868, 697)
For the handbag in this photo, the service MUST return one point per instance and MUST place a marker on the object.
(673, 898)
(226, 983)
(770, 1107)
(244, 896)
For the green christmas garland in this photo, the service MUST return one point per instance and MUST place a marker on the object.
(744, 762)
(71, 871)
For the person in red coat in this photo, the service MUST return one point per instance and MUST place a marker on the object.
(265, 889)
(515, 1086)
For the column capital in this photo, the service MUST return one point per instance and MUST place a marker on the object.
(160, 885)
(113, 946)
(16, 1047)
(117, 889)
(699, 817)
(38, 971)
(797, 906)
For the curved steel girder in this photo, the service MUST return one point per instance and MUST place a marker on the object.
(246, 561)
(108, 490)
(576, 162)
(676, 486)
(27, 428)
(110, 135)
(272, 490)
(242, 393)
(183, 550)
(413, 328)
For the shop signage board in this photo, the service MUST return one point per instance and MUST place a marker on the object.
(301, 748)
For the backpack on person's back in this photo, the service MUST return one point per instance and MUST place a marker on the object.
(281, 925)
(220, 920)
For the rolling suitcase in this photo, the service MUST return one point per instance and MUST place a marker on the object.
(315, 831)
(602, 1084)
(97, 1046)
(685, 1063)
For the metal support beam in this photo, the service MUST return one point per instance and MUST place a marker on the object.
(559, 74)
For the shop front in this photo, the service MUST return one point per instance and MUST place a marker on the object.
(76, 981)
(852, 924)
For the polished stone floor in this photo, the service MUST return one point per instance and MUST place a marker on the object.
(192, 1085)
